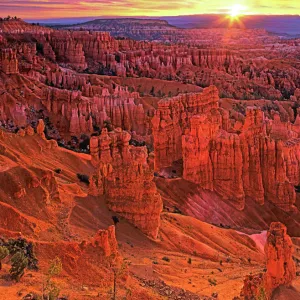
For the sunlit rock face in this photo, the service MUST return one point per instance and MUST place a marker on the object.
(124, 175)
(171, 119)
(250, 163)
(255, 157)
(279, 252)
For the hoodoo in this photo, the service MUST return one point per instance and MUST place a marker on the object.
(280, 268)
(124, 175)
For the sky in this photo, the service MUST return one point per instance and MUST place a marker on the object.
(42, 9)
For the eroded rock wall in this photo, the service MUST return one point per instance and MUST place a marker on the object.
(251, 163)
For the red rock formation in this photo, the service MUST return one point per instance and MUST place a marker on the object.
(237, 75)
(28, 50)
(244, 154)
(29, 130)
(281, 269)
(8, 61)
(251, 163)
(68, 50)
(71, 112)
(279, 252)
(297, 94)
(106, 239)
(80, 258)
(41, 128)
(44, 42)
(254, 287)
(172, 118)
(34, 180)
(224, 68)
(18, 26)
(23, 180)
(125, 178)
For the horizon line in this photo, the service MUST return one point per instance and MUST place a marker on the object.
(162, 16)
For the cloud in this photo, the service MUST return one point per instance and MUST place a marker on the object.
(81, 8)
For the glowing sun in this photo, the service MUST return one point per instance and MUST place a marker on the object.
(237, 10)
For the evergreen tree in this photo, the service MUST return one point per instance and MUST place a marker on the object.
(19, 263)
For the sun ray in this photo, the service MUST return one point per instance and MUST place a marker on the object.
(237, 10)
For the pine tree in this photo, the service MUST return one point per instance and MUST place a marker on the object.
(19, 263)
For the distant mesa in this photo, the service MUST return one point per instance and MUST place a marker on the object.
(135, 28)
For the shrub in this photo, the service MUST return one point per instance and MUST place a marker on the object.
(40, 48)
(262, 294)
(212, 281)
(84, 143)
(119, 272)
(107, 124)
(165, 258)
(22, 245)
(83, 178)
(189, 260)
(50, 289)
(3, 253)
(177, 210)
(137, 143)
(58, 171)
(19, 263)
(152, 91)
(115, 220)
(55, 267)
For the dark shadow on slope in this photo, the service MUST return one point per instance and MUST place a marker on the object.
(91, 214)
(286, 293)
(186, 197)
